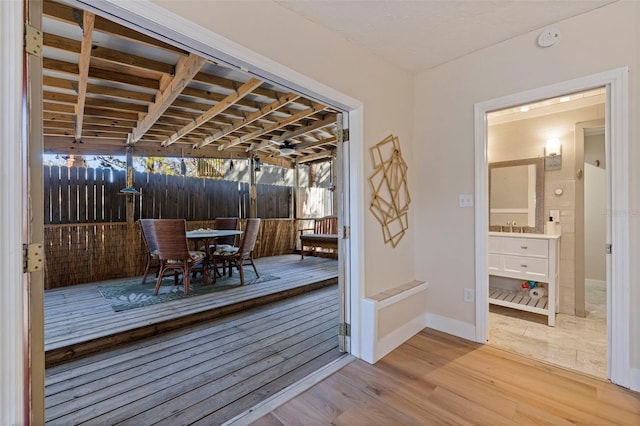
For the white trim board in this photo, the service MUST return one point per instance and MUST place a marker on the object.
(12, 328)
(617, 128)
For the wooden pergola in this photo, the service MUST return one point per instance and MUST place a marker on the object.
(109, 90)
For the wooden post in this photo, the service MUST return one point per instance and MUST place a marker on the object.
(130, 204)
(252, 191)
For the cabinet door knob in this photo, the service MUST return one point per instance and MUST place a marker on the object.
(524, 247)
(523, 266)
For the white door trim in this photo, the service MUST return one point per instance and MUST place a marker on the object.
(617, 129)
(13, 361)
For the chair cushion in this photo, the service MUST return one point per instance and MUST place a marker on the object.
(195, 255)
(226, 251)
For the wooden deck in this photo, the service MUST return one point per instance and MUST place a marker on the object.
(203, 374)
(79, 321)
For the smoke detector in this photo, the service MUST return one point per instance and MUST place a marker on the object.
(548, 37)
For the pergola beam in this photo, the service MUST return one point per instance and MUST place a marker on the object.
(238, 124)
(315, 107)
(185, 70)
(314, 157)
(88, 20)
(230, 100)
(331, 119)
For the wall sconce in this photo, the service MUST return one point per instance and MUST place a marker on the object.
(553, 155)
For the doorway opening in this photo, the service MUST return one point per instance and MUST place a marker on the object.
(344, 107)
(616, 117)
(571, 195)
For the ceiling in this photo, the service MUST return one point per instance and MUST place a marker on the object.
(107, 88)
(420, 34)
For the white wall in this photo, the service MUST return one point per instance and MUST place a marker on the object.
(385, 90)
(601, 40)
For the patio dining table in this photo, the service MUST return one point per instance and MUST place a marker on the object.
(209, 236)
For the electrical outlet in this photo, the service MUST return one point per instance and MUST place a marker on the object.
(465, 200)
(468, 295)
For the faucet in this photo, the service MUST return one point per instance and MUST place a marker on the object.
(511, 224)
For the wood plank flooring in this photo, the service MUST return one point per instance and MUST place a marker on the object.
(78, 320)
(435, 378)
(205, 374)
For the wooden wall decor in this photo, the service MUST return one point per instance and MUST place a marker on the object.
(390, 203)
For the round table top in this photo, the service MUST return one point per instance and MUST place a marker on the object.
(212, 233)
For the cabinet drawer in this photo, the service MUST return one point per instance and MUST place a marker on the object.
(527, 267)
(525, 247)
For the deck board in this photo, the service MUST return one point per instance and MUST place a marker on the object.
(205, 373)
(78, 319)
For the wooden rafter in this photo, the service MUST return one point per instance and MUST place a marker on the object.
(237, 124)
(67, 14)
(88, 20)
(185, 70)
(314, 157)
(231, 99)
(270, 127)
(327, 121)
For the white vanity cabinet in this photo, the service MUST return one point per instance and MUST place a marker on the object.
(525, 257)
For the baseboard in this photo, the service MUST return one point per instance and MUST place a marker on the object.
(399, 336)
(451, 326)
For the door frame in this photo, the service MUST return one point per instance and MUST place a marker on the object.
(14, 361)
(616, 82)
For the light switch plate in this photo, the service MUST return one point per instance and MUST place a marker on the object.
(465, 200)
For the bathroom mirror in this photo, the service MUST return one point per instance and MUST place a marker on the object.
(516, 194)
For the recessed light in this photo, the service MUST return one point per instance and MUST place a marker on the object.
(565, 99)
(524, 108)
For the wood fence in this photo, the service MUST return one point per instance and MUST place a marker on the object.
(84, 195)
(81, 253)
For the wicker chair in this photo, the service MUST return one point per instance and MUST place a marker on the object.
(242, 254)
(153, 261)
(227, 223)
(173, 252)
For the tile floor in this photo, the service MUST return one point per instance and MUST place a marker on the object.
(576, 343)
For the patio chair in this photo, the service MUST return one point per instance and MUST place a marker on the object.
(173, 251)
(153, 261)
(227, 223)
(224, 243)
(241, 255)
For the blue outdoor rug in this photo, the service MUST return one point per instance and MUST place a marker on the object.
(132, 294)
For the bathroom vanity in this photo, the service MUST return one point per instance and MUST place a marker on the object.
(522, 257)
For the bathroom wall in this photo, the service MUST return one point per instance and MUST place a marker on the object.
(526, 138)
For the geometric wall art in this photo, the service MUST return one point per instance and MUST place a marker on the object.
(390, 203)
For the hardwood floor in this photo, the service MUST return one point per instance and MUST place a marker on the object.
(78, 320)
(435, 378)
(205, 374)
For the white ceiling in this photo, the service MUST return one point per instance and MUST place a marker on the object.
(420, 34)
